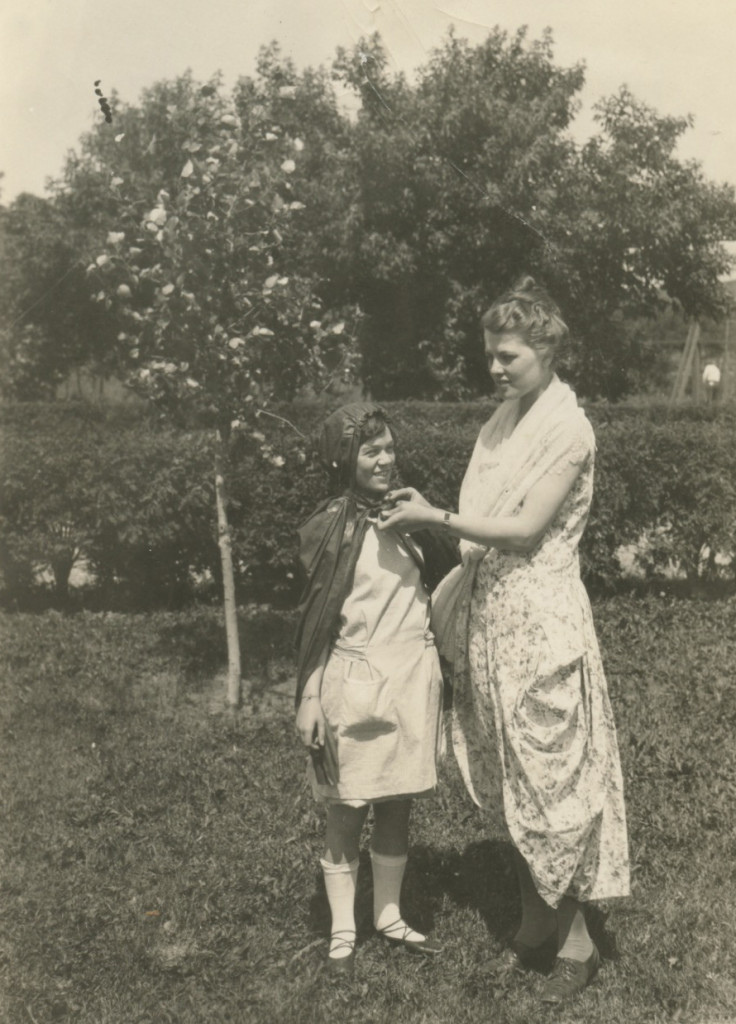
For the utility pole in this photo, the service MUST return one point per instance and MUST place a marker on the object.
(729, 362)
(689, 361)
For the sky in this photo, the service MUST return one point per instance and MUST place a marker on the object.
(676, 55)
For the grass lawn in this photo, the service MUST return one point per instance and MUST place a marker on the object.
(160, 856)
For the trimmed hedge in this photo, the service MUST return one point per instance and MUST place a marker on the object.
(133, 504)
(128, 503)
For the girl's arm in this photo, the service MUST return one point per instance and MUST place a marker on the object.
(310, 719)
(520, 533)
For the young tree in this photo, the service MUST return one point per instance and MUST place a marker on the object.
(218, 316)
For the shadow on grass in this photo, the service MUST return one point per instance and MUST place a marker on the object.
(478, 879)
(481, 878)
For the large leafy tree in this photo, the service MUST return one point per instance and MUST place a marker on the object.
(449, 174)
(469, 177)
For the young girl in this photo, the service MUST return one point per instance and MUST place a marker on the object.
(369, 684)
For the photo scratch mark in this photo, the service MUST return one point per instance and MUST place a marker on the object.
(549, 246)
(464, 21)
(366, 59)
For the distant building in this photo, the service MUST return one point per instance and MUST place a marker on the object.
(83, 384)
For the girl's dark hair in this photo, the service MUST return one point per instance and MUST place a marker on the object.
(372, 426)
(528, 310)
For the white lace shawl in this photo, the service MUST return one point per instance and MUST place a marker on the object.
(509, 458)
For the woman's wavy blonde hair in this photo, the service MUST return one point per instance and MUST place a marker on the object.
(528, 310)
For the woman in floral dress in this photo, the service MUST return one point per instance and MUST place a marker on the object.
(533, 731)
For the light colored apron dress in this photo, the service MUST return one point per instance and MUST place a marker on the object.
(382, 685)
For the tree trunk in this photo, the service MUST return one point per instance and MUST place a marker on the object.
(228, 580)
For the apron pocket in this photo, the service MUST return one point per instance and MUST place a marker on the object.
(367, 706)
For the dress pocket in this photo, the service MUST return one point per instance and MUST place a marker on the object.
(563, 645)
(557, 614)
(367, 705)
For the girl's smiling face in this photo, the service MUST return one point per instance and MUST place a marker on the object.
(375, 464)
(518, 370)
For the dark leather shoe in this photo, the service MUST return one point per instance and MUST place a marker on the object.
(396, 934)
(341, 965)
(568, 977)
(519, 957)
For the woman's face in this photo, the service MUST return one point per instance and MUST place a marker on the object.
(375, 464)
(517, 369)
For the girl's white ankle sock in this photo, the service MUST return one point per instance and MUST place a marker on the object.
(388, 874)
(340, 883)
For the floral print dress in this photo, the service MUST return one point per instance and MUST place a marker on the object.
(533, 730)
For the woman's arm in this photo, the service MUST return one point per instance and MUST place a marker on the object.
(520, 533)
(310, 719)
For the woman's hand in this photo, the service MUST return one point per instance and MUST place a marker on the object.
(407, 494)
(310, 722)
(414, 514)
